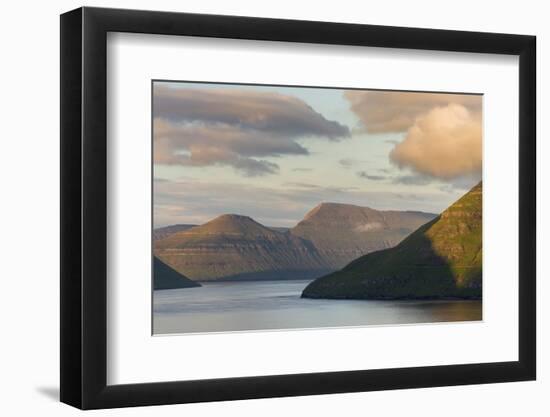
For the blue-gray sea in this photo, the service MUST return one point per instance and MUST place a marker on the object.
(276, 305)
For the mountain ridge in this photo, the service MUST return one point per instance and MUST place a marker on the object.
(165, 231)
(236, 247)
(162, 232)
(343, 232)
(441, 259)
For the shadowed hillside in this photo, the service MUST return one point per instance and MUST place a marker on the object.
(235, 247)
(166, 278)
(441, 259)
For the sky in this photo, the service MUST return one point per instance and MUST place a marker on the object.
(273, 153)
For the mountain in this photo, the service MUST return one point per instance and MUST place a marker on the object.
(442, 259)
(165, 231)
(166, 278)
(234, 247)
(344, 232)
(279, 229)
(162, 232)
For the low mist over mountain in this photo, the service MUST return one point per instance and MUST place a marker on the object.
(343, 232)
(234, 247)
(441, 259)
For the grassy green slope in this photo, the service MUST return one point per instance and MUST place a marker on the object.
(441, 259)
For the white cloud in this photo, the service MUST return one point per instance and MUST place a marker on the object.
(443, 143)
(396, 111)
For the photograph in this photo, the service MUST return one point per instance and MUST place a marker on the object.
(303, 207)
(296, 202)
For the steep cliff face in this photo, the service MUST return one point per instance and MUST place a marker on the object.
(166, 278)
(344, 232)
(443, 258)
(234, 247)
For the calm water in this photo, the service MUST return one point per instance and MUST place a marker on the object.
(233, 306)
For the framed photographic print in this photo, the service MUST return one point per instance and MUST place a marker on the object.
(257, 207)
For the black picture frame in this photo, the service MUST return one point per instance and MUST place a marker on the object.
(84, 207)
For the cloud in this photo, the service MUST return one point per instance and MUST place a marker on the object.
(257, 110)
(367, 227)
(202, 127)
(252, 167)
(349, 162)
(400, 179)
(363, 174)
(444, 143)
(302, 185)
(443, 133)
(302, 169)
(346, 162)
(460, 184)
(196, 202)
(396, 111)
(412, 180)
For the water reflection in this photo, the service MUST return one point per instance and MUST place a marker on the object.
(269, 305)
(450, 310)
